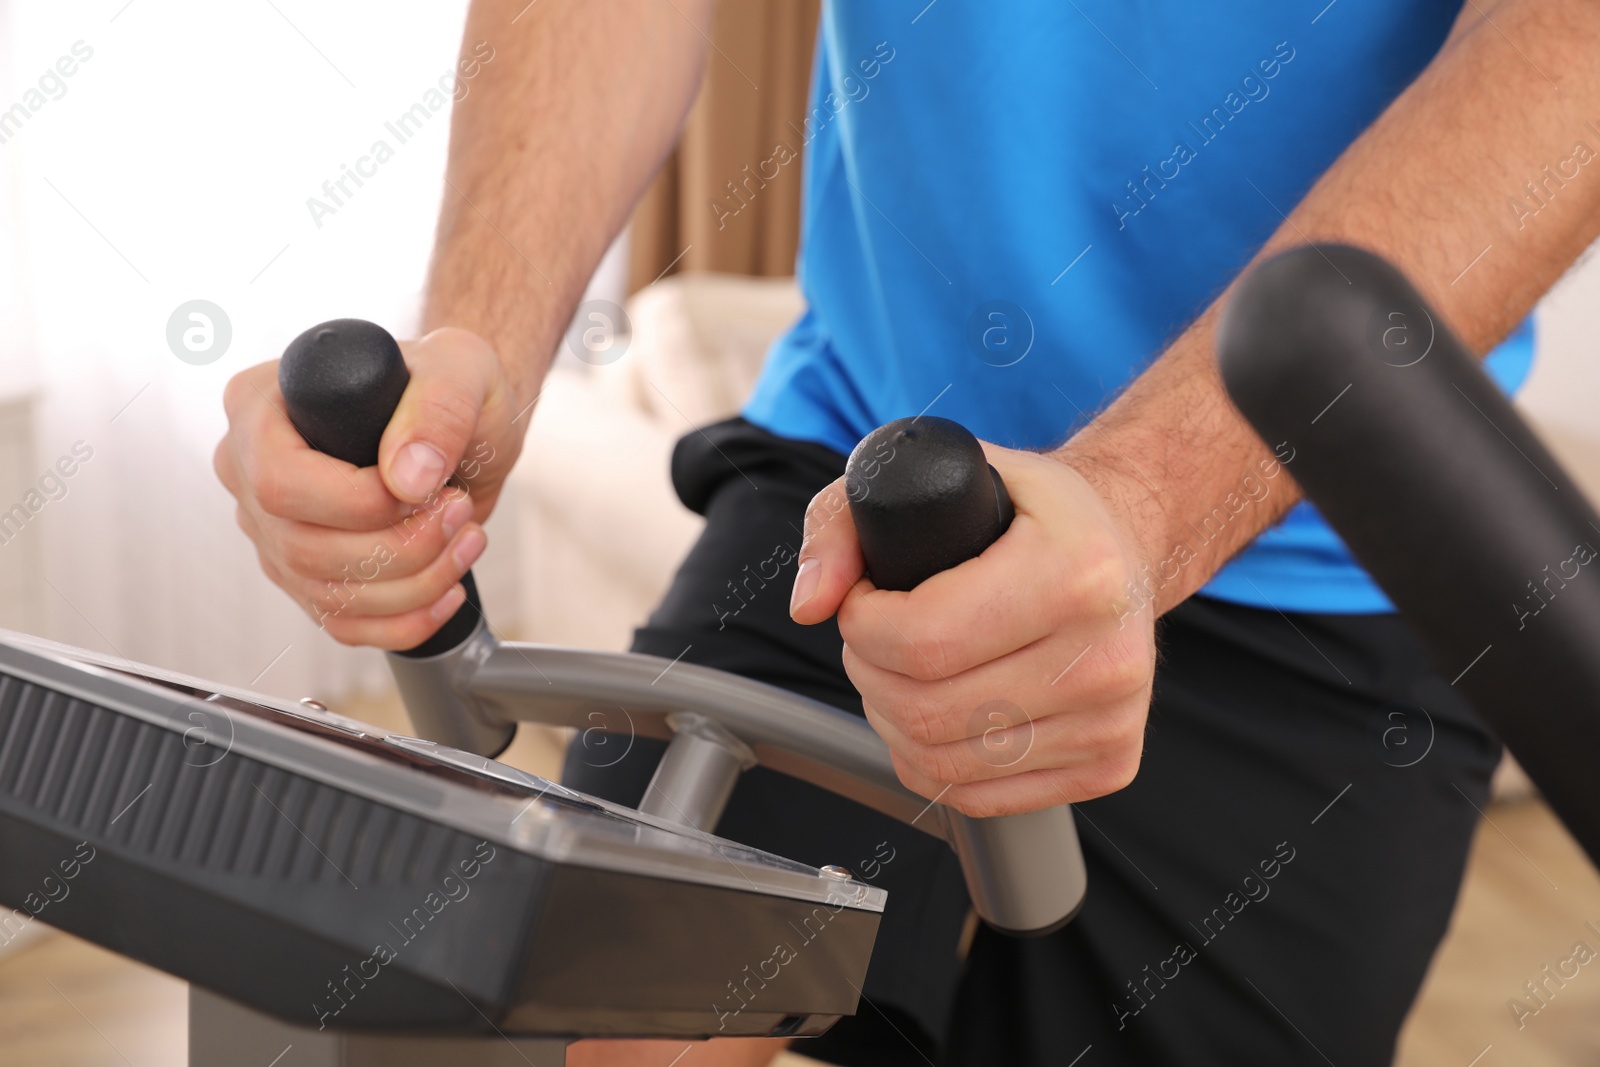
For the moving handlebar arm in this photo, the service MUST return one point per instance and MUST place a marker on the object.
(1443, 493)
(1020, 870)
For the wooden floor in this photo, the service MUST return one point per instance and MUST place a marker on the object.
(1528, 896)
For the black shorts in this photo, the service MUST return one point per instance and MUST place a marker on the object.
(1270, 888)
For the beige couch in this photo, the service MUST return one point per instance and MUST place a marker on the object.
(598, 526)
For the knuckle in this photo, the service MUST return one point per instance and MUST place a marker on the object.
(1133, 720)
(912, 762)
(942, 763)
(1097, 577)
(927, 653)
(1125, 672)
(271, 492)
(918, 718)
(1110, 732)
(323, 597)
(316, 597)
(1107, 774)
(302, 555)
(1116, 773)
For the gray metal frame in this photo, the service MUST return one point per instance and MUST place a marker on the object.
(1024, 872)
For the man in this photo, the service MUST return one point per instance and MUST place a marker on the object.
(1028, 223)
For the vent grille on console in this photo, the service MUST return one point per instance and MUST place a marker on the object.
(119, 779)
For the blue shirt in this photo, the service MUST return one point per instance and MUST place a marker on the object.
(1011, 208)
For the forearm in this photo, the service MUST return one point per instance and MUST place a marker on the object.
(1432, 186)
(554, 141)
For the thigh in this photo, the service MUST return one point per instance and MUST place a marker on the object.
(1272, 886)
(728, 608)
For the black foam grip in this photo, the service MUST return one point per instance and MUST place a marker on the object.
(341, 382)
(1443, 493)
(924, 499)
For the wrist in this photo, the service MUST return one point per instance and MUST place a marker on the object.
(1160, 568)
(522, 332)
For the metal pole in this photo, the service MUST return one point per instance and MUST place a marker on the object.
(697, 773)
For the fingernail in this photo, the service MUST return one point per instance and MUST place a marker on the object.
(468, 549)
(419, 469)
(805, 583)
(446, 605)
(456, 514)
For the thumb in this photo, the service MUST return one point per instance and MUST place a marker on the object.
(830, 557)
(452, 375)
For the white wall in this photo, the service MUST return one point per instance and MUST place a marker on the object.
(177, 164)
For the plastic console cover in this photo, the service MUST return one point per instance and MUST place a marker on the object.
(317, 869)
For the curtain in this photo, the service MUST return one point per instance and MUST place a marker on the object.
(716, 205)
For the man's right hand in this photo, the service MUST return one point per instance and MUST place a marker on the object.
(375, 555)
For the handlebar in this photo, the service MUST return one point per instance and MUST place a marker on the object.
(1443, 493)
(923, 498)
